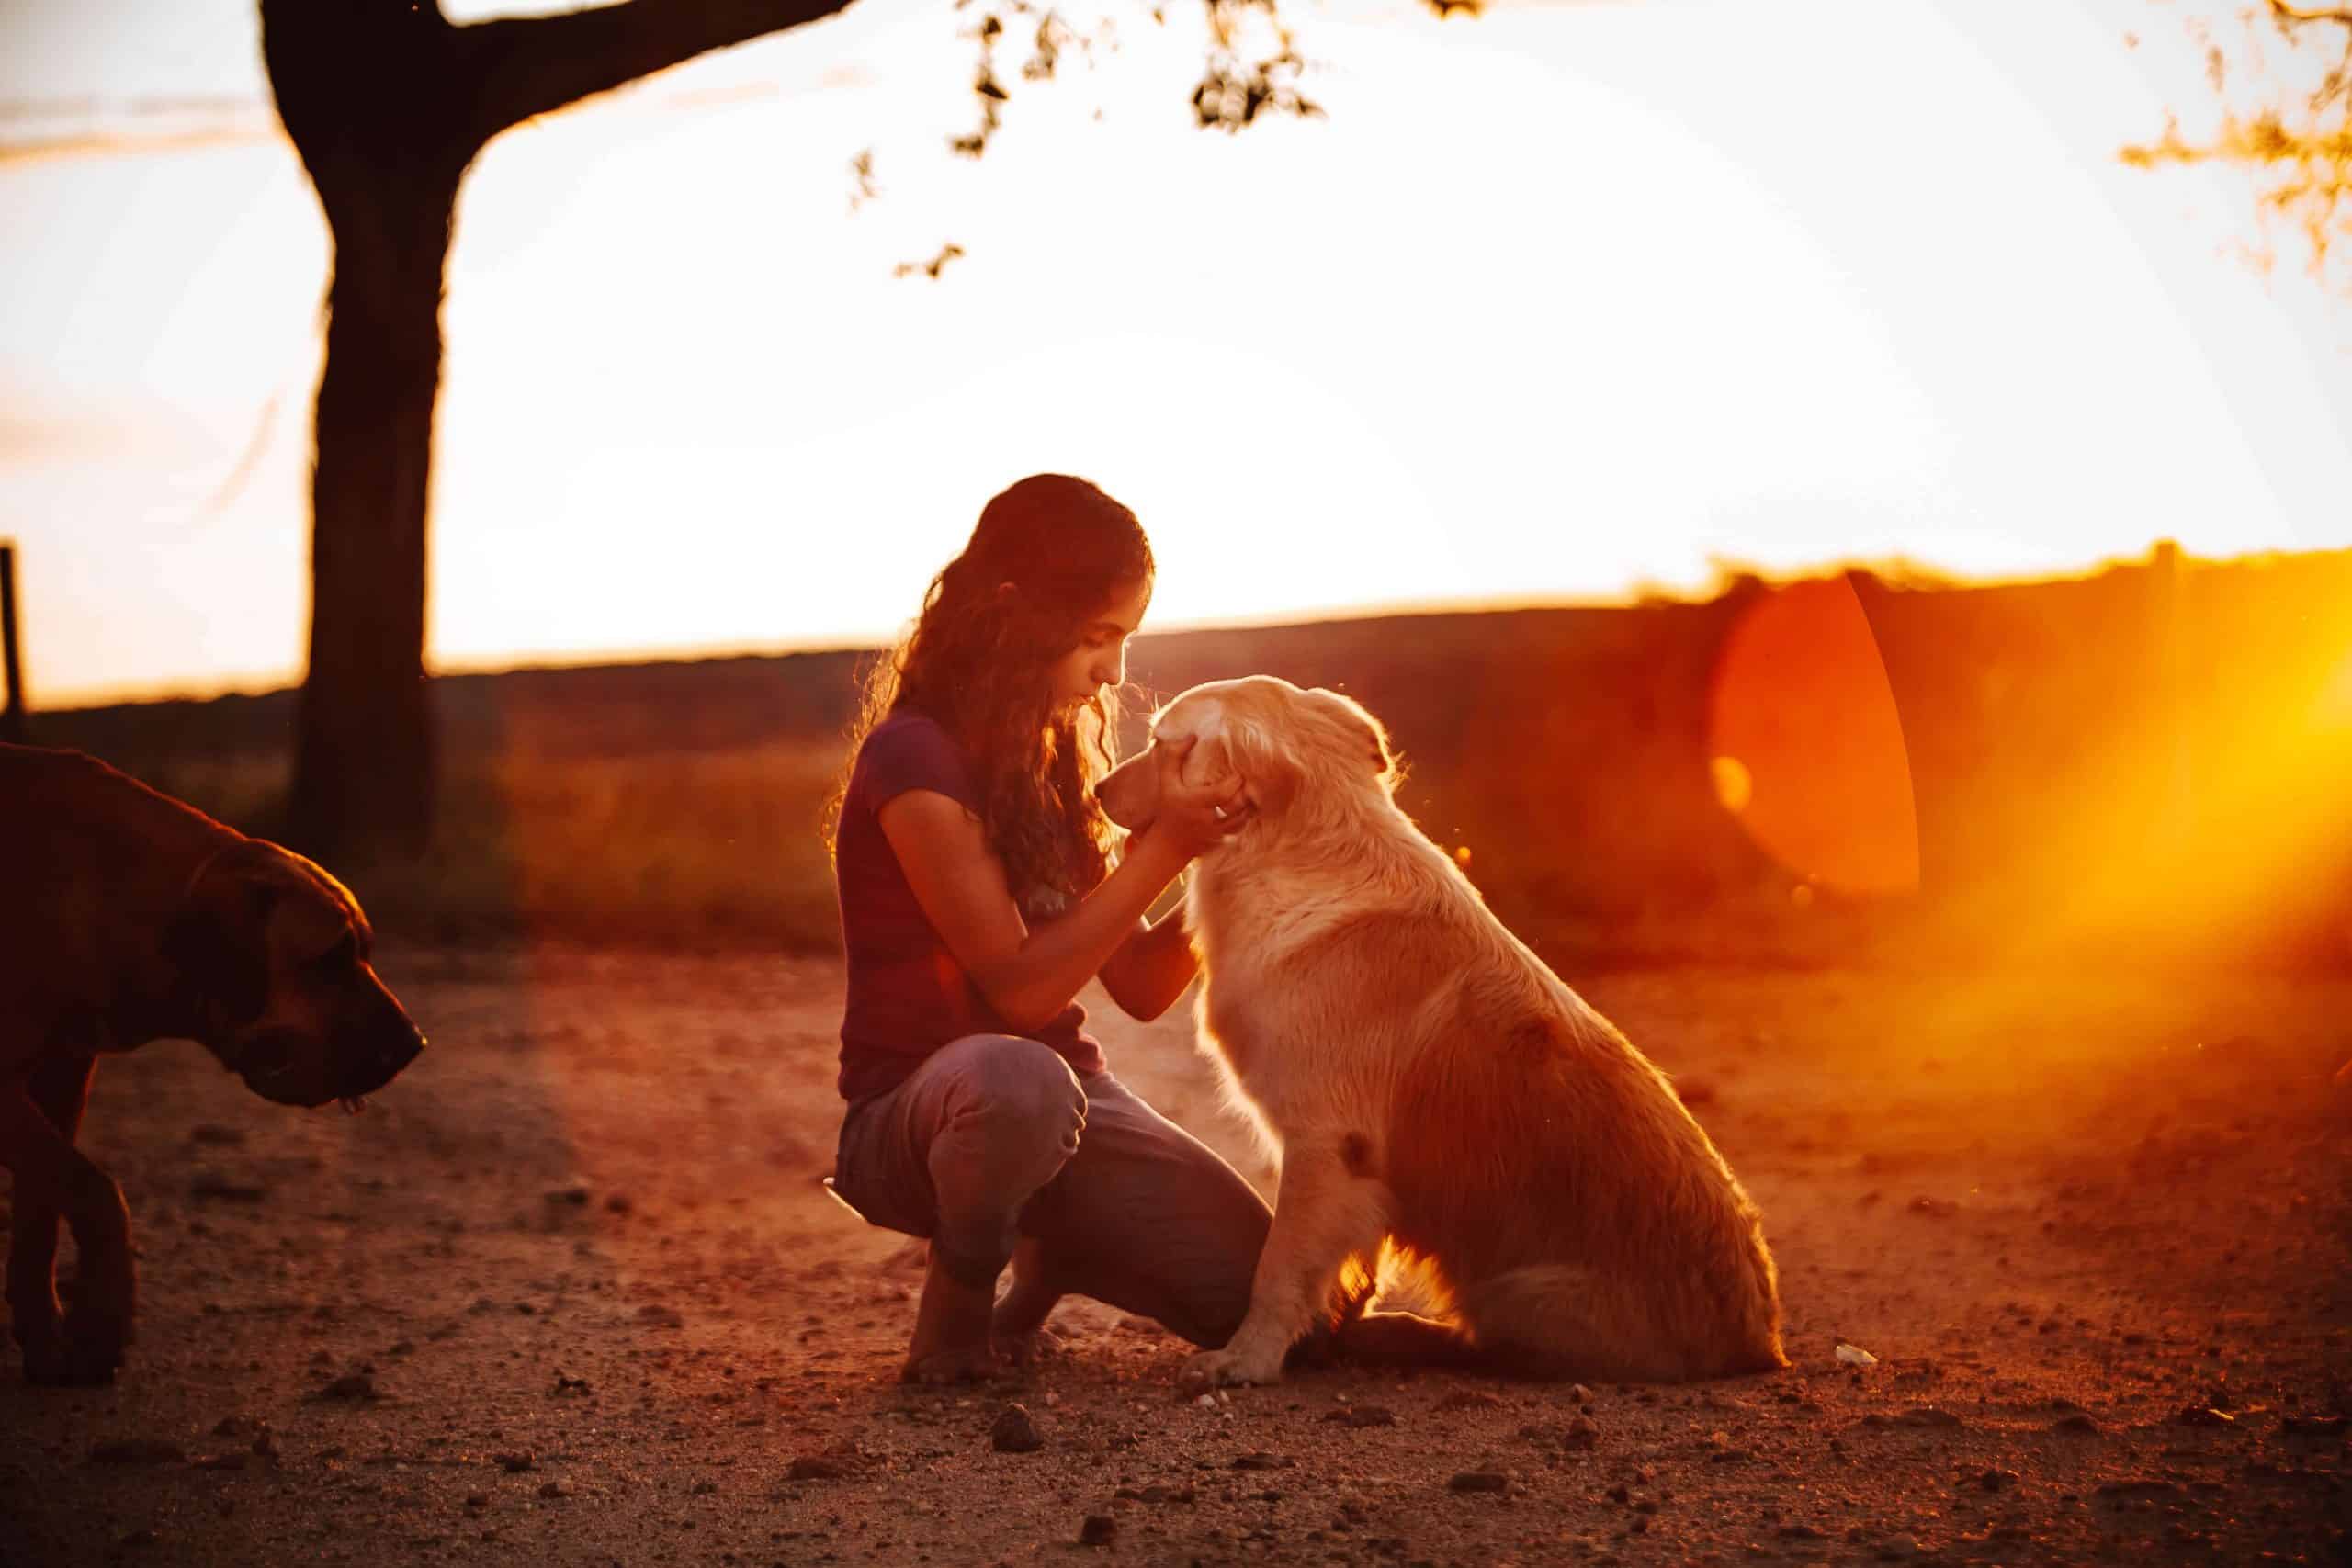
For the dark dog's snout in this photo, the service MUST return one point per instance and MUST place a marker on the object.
(400, 1047)
(388, 1052)
(399, 1052)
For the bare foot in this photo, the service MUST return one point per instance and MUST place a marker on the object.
(964, 1363)
(951, 1342)
(1027, 1350)
(1018, 1325)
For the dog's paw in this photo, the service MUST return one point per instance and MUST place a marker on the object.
(77, 1354)
(1227, 1368)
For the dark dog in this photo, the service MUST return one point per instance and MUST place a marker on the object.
(126, 916)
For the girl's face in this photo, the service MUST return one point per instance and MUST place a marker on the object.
(1100, 657)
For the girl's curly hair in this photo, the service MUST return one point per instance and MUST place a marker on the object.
(1046, 554)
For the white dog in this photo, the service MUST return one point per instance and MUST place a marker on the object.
(1433, 1090)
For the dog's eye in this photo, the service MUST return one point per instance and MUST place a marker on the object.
(339, 957)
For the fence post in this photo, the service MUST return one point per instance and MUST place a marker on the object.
(12, 728)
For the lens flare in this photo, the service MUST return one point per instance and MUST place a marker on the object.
(1805, 744)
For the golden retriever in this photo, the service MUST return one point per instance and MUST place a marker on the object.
(1435, 1093)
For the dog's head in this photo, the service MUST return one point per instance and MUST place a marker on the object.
(1287, 744)
(270, 954)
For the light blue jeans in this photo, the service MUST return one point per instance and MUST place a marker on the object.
(993, 1138)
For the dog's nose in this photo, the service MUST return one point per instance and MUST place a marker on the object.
(395, 1051)
(383, 1061)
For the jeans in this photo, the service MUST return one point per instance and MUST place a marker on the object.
(993, 1138)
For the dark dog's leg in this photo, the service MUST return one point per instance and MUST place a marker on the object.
(99, 1323)
(55, 1180)
(37, 1323)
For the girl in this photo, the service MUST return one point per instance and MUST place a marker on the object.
(977, 895)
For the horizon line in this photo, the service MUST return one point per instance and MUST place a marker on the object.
(1897, 571)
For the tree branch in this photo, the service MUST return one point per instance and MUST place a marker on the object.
(360, 80)
(2340, 15)
(521, 66)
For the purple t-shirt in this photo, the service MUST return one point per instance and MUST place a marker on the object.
(907, 995)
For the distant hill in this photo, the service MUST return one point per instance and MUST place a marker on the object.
(2157, 754)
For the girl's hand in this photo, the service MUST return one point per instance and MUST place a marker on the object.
(1195, 818)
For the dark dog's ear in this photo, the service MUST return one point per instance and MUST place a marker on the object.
(215, 942)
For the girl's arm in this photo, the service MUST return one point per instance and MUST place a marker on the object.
(1153, 966)
(1029, 977)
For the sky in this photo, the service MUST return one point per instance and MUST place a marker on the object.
(1567, 303)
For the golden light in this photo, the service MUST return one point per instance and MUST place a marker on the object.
(1735, 786)
(1806, 744)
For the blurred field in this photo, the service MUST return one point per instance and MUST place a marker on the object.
(2149, 764)
(696, 849)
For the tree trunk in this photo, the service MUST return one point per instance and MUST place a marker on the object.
(387, 103)
(365, 770)
(368, 92)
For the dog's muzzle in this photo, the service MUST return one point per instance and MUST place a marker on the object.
(390, 1053)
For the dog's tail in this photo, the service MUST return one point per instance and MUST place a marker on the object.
(1358, 1285)
(1396, 1274)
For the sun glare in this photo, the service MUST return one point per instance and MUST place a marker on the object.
(1807, 747)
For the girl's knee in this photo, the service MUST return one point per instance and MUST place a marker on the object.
(1023, 1088)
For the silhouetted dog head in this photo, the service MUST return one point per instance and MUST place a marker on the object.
(271, 954)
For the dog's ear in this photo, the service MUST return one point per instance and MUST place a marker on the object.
(1270, 767)
(216, 940)
(1363, 730)
(1211, 758)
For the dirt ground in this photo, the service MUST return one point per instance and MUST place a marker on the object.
(570, 1294)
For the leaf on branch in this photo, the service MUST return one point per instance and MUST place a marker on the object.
(1046, 48)
(931, 268)
(1231, 96)
(987, 89)
(862, 166)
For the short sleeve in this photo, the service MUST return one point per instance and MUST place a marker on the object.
(906, 752)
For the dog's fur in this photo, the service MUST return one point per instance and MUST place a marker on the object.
(126, 916)
(1433, 1090)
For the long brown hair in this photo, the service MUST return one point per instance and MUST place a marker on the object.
(1048, 553)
